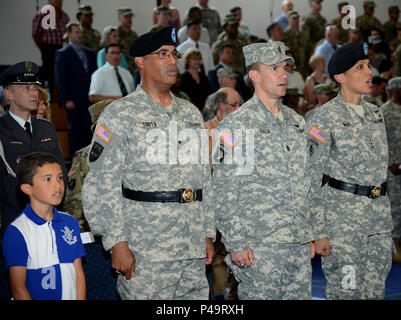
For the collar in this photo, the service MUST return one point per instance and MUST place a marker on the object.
(157, 108)
(108, 65)
(21, 121)
(32, 215)
(75, 47)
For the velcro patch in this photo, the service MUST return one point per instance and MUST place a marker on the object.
(317, 134)
(72, 171)
(95, 152)
(103, 133)
(229, 139)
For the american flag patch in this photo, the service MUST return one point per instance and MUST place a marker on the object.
(228, 139)
(317, 134)
(103, 133)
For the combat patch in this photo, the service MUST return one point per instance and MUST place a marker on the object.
(95, 152)
(318, 134)
(72, 171)
(71, 184)
(229, 139)
(103, 133)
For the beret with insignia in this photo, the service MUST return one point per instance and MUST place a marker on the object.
(151, 41)
(346, 57)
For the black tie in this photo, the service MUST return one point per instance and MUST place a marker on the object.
(28, 128)
(121, 83)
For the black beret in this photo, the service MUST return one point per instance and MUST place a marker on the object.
(151, 41)
(347, 56)
(25, 72)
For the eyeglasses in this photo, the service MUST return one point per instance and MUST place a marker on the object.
(165, 54)
(233, 105)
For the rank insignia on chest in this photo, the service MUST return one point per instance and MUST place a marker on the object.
(228, 139)
(317, 134)
(103, 133)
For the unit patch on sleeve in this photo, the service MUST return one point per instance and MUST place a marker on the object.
(317, 134)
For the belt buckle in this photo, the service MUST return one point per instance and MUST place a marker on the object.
(375, 191)
(187, 195)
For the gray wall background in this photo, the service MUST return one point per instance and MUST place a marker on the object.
(16, 16)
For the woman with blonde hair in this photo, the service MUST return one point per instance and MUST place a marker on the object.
(109, 35)
(43, 110)
(193, 82)
(318, 65)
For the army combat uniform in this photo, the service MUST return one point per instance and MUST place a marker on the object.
(162, 236)
(350, 148)
(392, 117)
(260, 186)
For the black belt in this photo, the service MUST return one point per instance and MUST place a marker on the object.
(181, 195)
(369, 191)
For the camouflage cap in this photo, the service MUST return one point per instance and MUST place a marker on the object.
(124, 11)
(369, 4)
(394, 9)
(85, 9)
(97, 108)
(226, 73)
(324, 88)
(394, 83)
(268, 53)
(293, 14)
(162, 9)
(292, 92)
(342, 4)
(230, 18)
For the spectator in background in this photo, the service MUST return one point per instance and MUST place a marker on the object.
(275, 32)
(163, 16)
(318, 65)
(43, 110)
(49, 41)
(295, 80)
(210, 19)
(386, 69)
(126, 35)
(367, 21)
(90, 36)
(73, 69)
(242, 28)
(193, 32)
(194, 83)
(287, 6)
(378, 94)
(194, 14)
(390, 27)
(110, 35)
(174, 17)
(324, 92)
(111, 81)
(329, 46)
(343, 37)
(354, 35)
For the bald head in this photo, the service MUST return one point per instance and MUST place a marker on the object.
(287, 6)
(227, 100)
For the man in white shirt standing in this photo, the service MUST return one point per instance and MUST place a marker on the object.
(111, 81)
(194, 32)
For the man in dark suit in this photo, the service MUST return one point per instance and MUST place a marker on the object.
(21, 134)
(225, 54)
(73, 69)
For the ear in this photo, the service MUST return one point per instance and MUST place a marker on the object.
(139, 61)
(8, 93)
(340, 78)
(254, 75)
(26, 188)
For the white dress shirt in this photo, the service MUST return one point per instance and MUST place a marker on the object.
(207, 57)
(204, 37)
(104, 81)
(21, 121)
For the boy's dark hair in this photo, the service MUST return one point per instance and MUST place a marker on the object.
(28, 166)
(111, 45)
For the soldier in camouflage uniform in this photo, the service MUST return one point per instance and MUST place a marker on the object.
(163, 16)
(90, 36)
(126, 35)
(79, 170)
(397, 40)
(350, 214)
(296, 41)
(237, 41)
(152, 209)
(392, 117)
(210, 19)
(397, 61)
(338, 23)
(390, 27)
(368, 21)
(260, 201)
(313, 26)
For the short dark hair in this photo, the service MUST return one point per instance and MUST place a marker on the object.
(28, 166)
(220, 49)
(72, 24)
(385, 65)
(106, 50)
(270, 28)
(378, 80)
(191, 23)
(232, 10)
